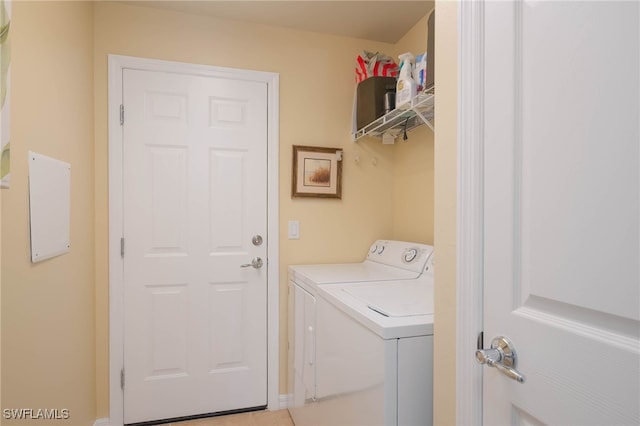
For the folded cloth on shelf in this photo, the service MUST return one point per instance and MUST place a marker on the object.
(369, 64)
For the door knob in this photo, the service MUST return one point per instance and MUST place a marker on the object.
(256, 240)
(256, 262)
(502, 356)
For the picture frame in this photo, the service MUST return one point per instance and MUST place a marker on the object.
(317, 172)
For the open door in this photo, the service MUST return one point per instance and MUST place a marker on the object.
(562, 212)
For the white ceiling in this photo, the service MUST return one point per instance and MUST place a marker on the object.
(385, 21)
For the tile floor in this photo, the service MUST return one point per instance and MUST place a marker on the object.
(254, 418)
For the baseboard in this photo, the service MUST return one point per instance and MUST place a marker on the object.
(102, 422)
(284, 401)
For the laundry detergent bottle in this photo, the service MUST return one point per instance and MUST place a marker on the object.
(406, 86)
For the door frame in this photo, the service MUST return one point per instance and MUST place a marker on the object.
(117, 64)
(470, 214)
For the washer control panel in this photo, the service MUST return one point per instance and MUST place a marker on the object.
(401, 254)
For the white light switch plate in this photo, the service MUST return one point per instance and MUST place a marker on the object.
(294, 230)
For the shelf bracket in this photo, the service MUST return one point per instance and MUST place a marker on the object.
(424, 119)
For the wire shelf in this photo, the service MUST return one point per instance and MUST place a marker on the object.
(419, 111)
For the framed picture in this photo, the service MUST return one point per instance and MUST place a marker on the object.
(317, 172)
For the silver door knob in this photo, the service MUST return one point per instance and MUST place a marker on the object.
(256, 262)
(257, 240)
(502, 356)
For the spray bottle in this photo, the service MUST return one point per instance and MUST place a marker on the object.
(406, 86)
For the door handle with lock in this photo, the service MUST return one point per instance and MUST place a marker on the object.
(502, 356)
(256, 262)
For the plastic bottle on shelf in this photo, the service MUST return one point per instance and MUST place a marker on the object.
(406, 86)
(420, 71)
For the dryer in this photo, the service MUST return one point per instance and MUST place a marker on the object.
(361, 340)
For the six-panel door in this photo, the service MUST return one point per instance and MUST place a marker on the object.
(195, 324)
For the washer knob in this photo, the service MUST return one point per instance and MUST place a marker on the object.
(409, 255)
(373, 248)
(381, 249)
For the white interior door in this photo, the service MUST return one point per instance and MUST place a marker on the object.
(561, 194)
(195, 173)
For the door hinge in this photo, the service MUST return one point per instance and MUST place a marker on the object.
(122, 247)
(122, 379)
(480, 341)
(121, 114)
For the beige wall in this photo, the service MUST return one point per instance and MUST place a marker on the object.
(413, 164)
(48, 328)
(446, 80)
(1, 192)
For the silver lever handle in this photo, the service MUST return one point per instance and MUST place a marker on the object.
(256, 262)
(502, 356)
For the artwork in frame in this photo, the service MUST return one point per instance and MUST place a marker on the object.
(317, 172)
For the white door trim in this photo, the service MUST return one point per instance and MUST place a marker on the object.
(470, 220)
(116, 332)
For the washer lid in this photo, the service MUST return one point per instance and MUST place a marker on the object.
(395, 299)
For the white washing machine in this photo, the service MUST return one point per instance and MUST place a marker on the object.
(361, 339)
